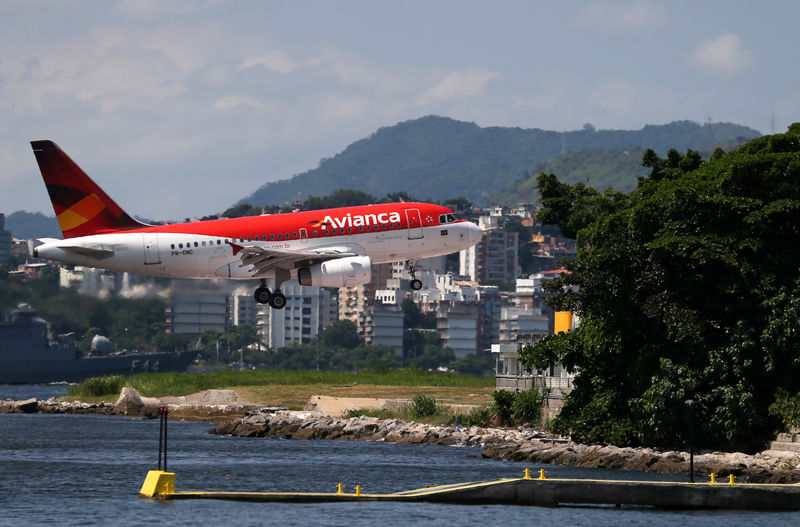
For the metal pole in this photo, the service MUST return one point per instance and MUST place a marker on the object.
(160, 435)
(690, 407)
(166, 410)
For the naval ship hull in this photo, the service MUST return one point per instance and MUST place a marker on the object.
(28, 356)
(63, 365)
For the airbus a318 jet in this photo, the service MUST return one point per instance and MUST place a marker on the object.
(327, 248)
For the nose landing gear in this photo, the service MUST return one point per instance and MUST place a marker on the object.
(416, 285)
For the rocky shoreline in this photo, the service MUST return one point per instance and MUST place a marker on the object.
(521, 445)
(528, 445)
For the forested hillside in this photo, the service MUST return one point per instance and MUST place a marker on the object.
(438, 158)
(617, 167)
(31, 225)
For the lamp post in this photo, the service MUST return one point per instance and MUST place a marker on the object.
(690, 412)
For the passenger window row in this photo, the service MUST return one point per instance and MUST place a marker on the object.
(288, 236)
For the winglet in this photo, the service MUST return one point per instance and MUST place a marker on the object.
(81, 206)
(235, 246)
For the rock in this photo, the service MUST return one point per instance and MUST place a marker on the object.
(28, 406)
(130, 403)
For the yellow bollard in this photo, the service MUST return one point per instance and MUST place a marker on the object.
(542, 473)
(731, 479)
(358, 490)
(713, 479)
(339, 489)
(527, 474)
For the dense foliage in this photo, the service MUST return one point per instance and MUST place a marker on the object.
(688, 289)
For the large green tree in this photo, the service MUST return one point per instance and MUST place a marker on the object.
(688, 289)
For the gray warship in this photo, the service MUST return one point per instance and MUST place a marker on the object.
(27, 356)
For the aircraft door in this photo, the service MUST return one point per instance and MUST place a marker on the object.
(414, 224)
(151, 255)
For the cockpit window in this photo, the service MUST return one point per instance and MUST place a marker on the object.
(447, 218)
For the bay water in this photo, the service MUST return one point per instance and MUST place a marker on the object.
(87, 470)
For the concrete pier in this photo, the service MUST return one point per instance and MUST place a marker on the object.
(529, 491)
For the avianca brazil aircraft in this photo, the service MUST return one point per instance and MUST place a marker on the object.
(327, 248)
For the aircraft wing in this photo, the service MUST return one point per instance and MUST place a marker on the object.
(265, 261)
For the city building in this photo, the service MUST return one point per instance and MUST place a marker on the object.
(511, 375)
(192, 313)
(89, 280)
(516, 322)
(306, 314)
(242, 307)
(492, 261)
(458, 328)
(383, 326)
(5, 240)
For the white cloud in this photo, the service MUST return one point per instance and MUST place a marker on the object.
(723, 54)
(274, 60)
(628, 16)
(457, 86)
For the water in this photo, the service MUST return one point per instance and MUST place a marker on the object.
(87, 470)
(19, 392)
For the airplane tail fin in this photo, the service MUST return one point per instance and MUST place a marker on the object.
(81, 206)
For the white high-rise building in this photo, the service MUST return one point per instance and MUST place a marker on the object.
(307, 311)
(242, 307)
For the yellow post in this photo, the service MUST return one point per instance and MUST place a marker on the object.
(158, 483)
(527, 474)
(358, 490)
(713, 479)
(731, 479)
(542, 473)
(339, 489)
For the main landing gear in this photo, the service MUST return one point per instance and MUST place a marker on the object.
(263, 295)
(416, 285)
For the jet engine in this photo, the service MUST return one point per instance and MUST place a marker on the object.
(341, 272)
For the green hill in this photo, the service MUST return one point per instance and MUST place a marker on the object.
(601, 169)
(32, 225)
(439, 158)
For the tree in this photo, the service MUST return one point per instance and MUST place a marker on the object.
(395, 197)
(459, 204)
(341, 334)
(242, 209)
(339, 198)
(687, 289)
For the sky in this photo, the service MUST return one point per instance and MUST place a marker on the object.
(180, 108)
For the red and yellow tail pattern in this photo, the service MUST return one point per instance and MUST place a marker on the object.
(82, 208)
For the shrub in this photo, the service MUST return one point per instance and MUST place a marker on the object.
(527, 406)
(503, 402)
(477, 417)
(424, 406)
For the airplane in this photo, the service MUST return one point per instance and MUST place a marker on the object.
(326, 248)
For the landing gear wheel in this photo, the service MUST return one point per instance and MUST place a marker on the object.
(262, 295)
(278, 300)
(416, 285)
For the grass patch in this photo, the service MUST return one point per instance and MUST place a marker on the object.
(160, 384)
(97, 386)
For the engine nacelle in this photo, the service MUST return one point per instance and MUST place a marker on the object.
(341, 272)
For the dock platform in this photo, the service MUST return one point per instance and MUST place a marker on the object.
(542, 491)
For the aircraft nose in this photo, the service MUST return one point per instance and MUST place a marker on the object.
(475, 234)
